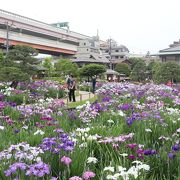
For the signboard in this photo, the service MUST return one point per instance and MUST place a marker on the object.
(61, 25)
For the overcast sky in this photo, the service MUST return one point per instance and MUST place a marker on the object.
(141, 25)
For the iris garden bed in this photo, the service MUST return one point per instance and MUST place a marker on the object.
(130, 132)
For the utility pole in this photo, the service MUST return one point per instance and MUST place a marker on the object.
(110, 53)
(7, 37)
(8, 28)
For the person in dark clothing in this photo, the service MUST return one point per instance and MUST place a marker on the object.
(14, 84)
(68, 80)
(93, 84)
(71, 88)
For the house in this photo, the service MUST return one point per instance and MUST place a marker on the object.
(114, 76)
(111, 75)
(88, 52)
(115, 53)
(171, 54)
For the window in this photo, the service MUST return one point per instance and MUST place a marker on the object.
(177, 58)
(116, 57)
(107, 51)
(87, 49)
(84, 43)
(164, 59)
(122, 57)
(117, 50)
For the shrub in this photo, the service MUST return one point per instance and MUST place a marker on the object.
(18, 98)
(54, 93)
(60, 80)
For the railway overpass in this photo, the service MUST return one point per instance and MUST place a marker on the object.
(16, 29)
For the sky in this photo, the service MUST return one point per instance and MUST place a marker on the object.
(141, 25)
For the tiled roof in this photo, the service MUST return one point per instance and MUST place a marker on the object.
(176, 48)
(92, 58)
(110, 71)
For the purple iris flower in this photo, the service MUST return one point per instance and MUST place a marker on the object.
(106, 99)
(1, 97)
(16, 131)
(176, 147)
(14, 167)
(72, 115)
(171, 155)
(57, 144)
(97, 107)
(131, 156)
(150, 152)
(126, 107)
(12, 104)
(38, 169)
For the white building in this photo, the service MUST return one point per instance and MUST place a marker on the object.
(89, 52)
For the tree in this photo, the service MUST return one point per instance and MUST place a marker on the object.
(165, 72)
(19, 64)
(12, 74)
(123, 68)
(150, 69)
(155, 71)
(134, 61)
(139, 70)
(92, 70)
(48, 65)
(66, 66)
(1, 58)
(23, 58)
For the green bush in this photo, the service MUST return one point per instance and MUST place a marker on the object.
(54, 93)
(85, 88)
(18, 98)
(60, 80)
(164, 72)
(123, 68)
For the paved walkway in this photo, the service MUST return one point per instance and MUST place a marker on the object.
(82, 95)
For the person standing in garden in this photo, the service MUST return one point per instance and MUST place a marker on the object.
(93, 84)
(68, 81)
(71, 83)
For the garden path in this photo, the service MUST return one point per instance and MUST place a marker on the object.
(82, 95)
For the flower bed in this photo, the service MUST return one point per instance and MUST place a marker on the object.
(131, 132)
(28, 93)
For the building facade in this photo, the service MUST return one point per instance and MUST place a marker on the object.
(88, 52)
(114, 52)
(171, 54)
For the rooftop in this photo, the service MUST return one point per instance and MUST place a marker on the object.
(92, 58)
(171, 49)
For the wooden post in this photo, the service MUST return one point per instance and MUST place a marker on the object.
(67, 101)
(67, 96)
(89, 93)
(80, 97)
(24, 100)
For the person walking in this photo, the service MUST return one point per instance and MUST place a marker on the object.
(93, 84)
(72, 88)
